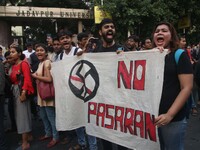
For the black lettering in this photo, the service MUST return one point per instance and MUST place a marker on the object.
(28, 13)
(37, 13)
(46, 13)
(74, 14)
(51, 13)
(18, 13)
(79, 15)
(67, 15)
(42, 13)
(23, 14)
(61, 14)
(33, 14)
(83, 15)
(87, 15)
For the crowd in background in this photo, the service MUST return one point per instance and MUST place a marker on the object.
(38, 58)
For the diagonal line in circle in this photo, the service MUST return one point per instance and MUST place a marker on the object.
(88, 91)
(76, 79)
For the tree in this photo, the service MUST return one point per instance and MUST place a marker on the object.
(139, 17)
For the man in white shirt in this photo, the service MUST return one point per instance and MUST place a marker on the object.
(29, 51)
(65, 39)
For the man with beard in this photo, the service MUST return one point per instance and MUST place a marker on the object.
(132, 43)
(107, 32)
(107, 44)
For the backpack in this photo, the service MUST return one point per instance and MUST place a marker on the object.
(190, 98)
(75, 51)
(177, 55)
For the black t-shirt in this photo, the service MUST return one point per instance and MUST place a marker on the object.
(171, 85)
(113, 48)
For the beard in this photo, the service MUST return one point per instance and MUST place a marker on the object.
(108, 40)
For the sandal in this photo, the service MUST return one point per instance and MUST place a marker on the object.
(52, 143)
(78, 147)
(66, 140)
(194, 112)
(43, 138)
(24, 147)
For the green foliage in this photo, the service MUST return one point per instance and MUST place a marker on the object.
(139, 17)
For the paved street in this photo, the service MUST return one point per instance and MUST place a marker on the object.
(192, 138)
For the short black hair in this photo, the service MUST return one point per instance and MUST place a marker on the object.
(29, 44)
(62, 33)
(134, 37)
(181, 35)
(144, 40)
(7, 53)
(81, 35)
(105, 21)
(43, 46)
(56, 39)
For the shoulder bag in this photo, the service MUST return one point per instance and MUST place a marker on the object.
(46, 89)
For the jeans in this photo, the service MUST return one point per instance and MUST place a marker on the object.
(3, 145)
(172, 136)
(82, 141)
(47, 115)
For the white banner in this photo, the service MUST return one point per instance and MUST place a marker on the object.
(116, 97)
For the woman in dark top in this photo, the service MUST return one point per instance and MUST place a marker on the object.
(177, 86)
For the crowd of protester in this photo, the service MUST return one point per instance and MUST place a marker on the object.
(177, 86)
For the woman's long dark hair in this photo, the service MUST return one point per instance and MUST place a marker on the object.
(174, 42)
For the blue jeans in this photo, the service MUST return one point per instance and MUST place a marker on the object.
(172, 136)
(3, 145)
(47, 115)
(82, 141)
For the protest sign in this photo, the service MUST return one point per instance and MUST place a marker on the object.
(116, 97)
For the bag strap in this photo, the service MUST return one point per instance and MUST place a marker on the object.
(76, 50)
(61, 55)
(20, 67)
(177, 55)
(43, 69)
